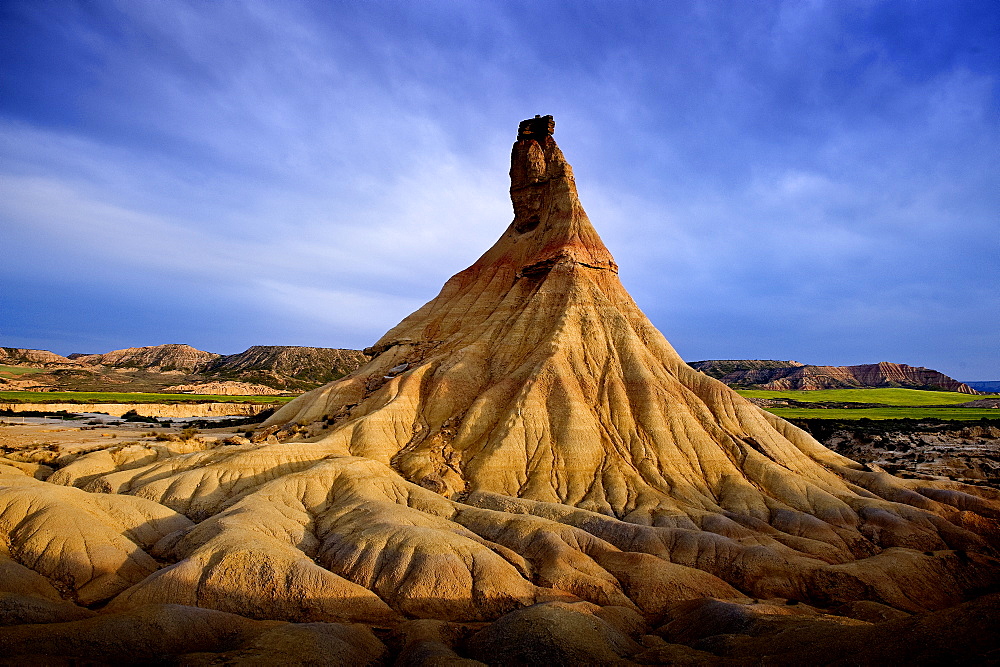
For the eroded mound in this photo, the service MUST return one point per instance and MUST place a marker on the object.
(526, 438)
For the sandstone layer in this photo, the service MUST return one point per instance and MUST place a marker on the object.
(525, 451)
(225, 388)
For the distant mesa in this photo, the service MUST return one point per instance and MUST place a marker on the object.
(158, 358)
(287, 367)
(781, 375)
(15, 356)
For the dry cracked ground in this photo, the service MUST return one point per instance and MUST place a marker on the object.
(525, 472)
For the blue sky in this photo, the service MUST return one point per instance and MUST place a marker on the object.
(799, 180)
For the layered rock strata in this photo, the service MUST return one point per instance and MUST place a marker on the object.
(16, 356)
(782, 375)
(158, 358)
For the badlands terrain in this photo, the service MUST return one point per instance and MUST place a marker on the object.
(523, 472)
(260, 370)
(768, 374)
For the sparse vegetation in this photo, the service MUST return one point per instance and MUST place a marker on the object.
(235, 422)
(133, 416)
(185, 435)
(20, 370)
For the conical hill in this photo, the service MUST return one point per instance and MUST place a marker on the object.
(526, 436)
(533, 374)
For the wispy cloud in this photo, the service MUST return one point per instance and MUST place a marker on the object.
(796, 179)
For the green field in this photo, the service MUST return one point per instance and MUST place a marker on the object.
(19, 370)
(958, 414)
(899, 404)
(888, 396)
(113, 397)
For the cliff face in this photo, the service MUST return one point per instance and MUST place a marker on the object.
(780, 375)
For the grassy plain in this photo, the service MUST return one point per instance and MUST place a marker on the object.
(895, 403)
(956, 414)
(886, 396)
(122, 397)
(20, 370)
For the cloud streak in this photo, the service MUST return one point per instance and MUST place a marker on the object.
(801, 180)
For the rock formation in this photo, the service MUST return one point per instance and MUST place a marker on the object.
(960, 451)
(272, 369)
(525, 439)
(225, 388)
(15, 356)
(157, 358)
(286, 366)
(779, 375)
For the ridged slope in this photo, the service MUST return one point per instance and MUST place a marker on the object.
(157, 358)
(16, 356)
(287, 365)
(529, 436)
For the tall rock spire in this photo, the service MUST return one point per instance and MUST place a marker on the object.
(534, 375)
(530, 430)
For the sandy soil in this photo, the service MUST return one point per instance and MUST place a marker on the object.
(61, 436)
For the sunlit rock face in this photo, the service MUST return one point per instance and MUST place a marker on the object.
(525, 437)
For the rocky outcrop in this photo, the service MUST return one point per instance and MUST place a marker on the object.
(156, 358)
(226, 388)
(781, 375)
(957, 451)
(533, 384)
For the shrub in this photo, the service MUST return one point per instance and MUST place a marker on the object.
(133, 416)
